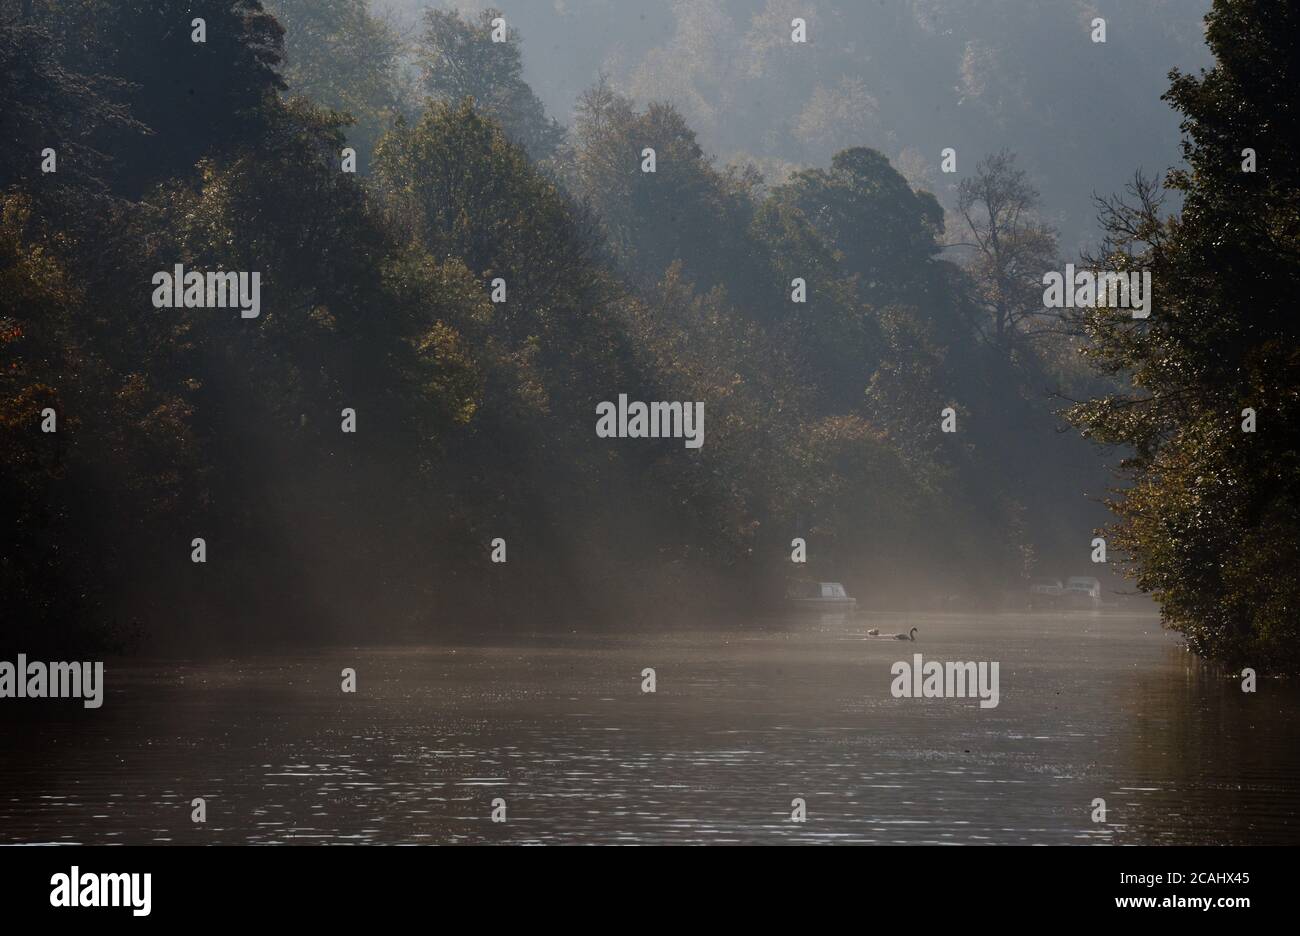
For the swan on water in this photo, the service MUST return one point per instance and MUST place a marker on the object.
(875, 632)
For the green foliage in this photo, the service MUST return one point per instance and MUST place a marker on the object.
(889, 233)
(458, 59)
(475, 418)
(46, 104)
(195, 99)
(1211, 519)
(683, 212)
(884, 341)
(342, 57)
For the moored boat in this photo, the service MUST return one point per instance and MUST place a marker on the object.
(820, 596)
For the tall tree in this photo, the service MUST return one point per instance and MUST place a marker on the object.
(460, 58)
(341, 56)
(886, 234)
(195, 98)
(1211, 516)
(1012, 249)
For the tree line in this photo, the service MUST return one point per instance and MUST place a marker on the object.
(475, 418)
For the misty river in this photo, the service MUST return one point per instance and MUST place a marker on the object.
(742, 722)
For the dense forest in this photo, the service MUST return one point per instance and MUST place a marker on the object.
(904, 77)
(488, 275)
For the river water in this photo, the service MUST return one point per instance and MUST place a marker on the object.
(742, 722)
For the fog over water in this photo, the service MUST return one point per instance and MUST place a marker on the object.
(597, 421)
(743, 721)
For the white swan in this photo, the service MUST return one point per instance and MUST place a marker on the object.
(874, 632)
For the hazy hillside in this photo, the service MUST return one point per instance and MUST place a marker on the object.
(906, 77)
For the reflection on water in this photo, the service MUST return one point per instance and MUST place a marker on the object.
(743, 721)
